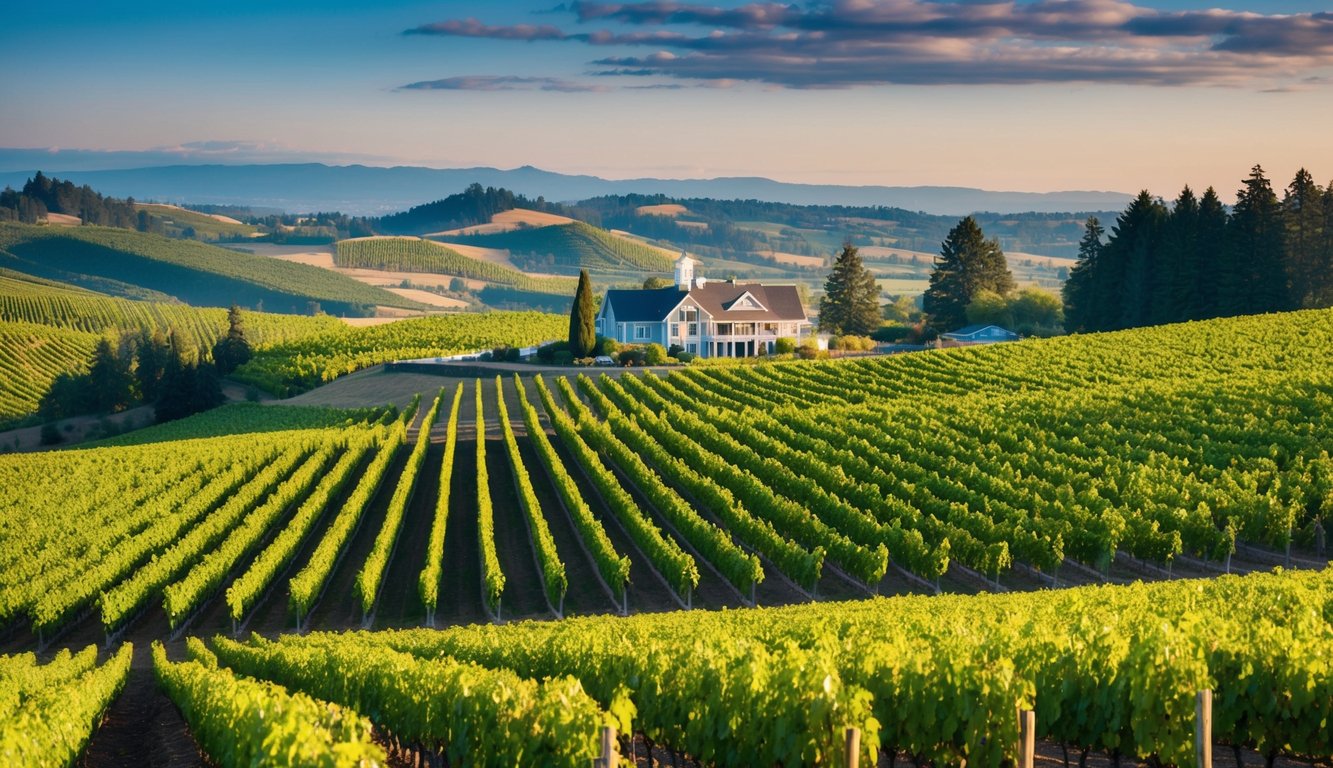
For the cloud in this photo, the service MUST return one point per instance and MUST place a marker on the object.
(845, 43)
(500, 83)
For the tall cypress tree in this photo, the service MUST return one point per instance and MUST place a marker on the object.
(1303, 220)
(1255, 279)
(109, 380)
(582, 319)
(850, 304)
(1323, 294)
(968, 263)
(232, 350)
(1081, 287)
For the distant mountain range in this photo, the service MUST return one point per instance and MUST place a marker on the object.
(366, 190)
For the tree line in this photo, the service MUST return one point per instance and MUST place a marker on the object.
(149, 368)
(1194, 259)
(42, 195)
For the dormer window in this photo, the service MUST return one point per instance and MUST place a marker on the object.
(746, 301)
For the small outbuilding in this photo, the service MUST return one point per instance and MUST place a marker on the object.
(978, 334)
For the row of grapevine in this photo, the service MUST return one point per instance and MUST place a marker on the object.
(58, 708)
(554, 580)
(241, 722)
(412, 254)
(246, 590)
(492, 576)
(665, 555)
(296, 366)
(736, 565)
(803, 566)
(574, 245)
(371, 575)
(1112, 669)
(470, 714)
(306, 586)
(611, 565)
(206, 576)
(429, 582)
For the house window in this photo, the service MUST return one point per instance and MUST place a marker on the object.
(692, 348)
(687, 314)
(640, 331)
(675, 330)
(693, 329)
(724, 329)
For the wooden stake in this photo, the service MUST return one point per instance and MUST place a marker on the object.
(1027, 738)
(1203, 729)
(853, 747)
(609, 757)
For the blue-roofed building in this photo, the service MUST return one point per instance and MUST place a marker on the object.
(705, 318)
(979, 334)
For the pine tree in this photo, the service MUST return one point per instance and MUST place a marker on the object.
(233, 350)
(968, 263)
(151, 357)
(582, 316)
(1255, 278)
(1080, 288)
(1130, 258)
(1303, 214)
(110, 382)
(1323, 292)
(1210, 246)
(850, 304)
(1175, 286)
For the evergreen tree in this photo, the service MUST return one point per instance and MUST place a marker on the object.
(233, 350)
(1254, 279)
(1303, 214)
(1082, 286)
(110, 383)
(968, 263)
(1177, 262)
(582, 319)
(1130, 260)
(1323, 293)
(151, 354)
(1210, 247)
(850, 304)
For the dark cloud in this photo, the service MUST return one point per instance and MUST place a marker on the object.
(843, 43)
(500, 83)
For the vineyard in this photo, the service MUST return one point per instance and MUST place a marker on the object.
(47, 329)
(607, 502)
(573, 246)
(411, 254)
(193, 272)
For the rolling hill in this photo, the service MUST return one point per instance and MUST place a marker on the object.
(570, 247)
(412, 254)
(198, 274)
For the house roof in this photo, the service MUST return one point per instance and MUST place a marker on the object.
(643, 306)
(782, 302)
(973, 330)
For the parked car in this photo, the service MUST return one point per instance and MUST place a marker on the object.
(603, 360)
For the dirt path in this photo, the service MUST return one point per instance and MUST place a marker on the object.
(399, 603)
(339, 608)
(142, 728)
(647, 592)
(585, 594)
(460, 581)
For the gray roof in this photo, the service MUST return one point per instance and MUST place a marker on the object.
(781, 302)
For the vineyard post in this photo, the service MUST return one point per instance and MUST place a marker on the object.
(609, 757)
(1203, 729)
(853, 747)
(1027, 738)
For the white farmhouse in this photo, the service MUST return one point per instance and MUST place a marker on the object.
(709, 319)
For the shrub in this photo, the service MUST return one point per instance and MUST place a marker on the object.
(784, 346)
(632, 356)
(505, 355)
(607, 346)
(686, 357)
(674, 351)
(655, 354)
(562, 357)
(547, 352)
(51, 434)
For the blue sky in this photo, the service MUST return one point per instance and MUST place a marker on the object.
(1043, 95)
